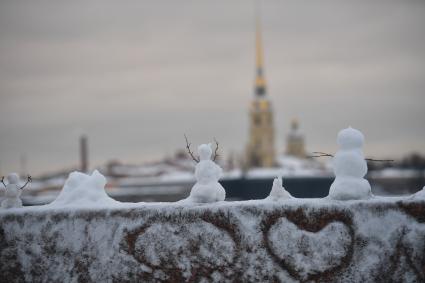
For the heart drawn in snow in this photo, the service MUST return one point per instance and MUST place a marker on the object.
(184, 250)
(312, 247)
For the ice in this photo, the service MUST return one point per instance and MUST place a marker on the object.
(278, 192)
(13, 192)
(350, 168)
(207, 173)
(84, 190)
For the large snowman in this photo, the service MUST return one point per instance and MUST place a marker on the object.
(350, 168)
(13, 192)
(207, 173)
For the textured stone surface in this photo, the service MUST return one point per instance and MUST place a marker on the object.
(294, 241)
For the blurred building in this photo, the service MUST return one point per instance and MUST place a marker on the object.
(260, 151)
(295, 141)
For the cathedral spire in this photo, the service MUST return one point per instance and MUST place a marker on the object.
(260, 83)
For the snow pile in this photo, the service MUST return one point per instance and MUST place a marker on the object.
(83, 190)
(350, 168)
(278, 192)
(207, 173)
(13, 192)
(420, 194)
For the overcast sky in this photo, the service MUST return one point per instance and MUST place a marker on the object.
(135, 75)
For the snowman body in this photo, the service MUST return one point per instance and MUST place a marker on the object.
(207, 173)
(13, 192)
(350, 168)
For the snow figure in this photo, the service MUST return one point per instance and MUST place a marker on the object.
(13, 191)
(84, 190)
(207, 174)
(350, 168)
(278, 192)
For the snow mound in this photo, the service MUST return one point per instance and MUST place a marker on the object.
(84, 190)
(207, 188)
(420, 194)
(278, 192)
(350, 168)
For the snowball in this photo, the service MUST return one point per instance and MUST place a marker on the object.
(350, 167)
(83, 190)
(278, 192)
(205, 151)
(350, 138)
(207, 173)
(13, 178)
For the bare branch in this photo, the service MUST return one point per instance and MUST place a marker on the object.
(324, 154)
(321, 154)
(29, 180)
(2, 181)
(216, 150)
(190, 151)
(379, 160)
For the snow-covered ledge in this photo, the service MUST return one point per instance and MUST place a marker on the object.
(292, 240)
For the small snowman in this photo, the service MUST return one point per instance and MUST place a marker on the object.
(13, 191)
(350, 168)
(278, 192)
(207, 173)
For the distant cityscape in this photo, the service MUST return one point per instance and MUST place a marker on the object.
(246, 176)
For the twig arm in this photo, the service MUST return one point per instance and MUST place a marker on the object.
(216, 150)
(2, 181)
(189, 150)
(322, 154)
(29, 180)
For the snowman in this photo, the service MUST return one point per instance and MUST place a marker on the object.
(207, 173)
(13, 191)
(350, 168)
(278, 192)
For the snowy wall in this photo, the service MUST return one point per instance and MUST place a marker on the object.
(301, 240)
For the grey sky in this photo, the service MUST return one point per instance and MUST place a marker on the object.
(136, 75)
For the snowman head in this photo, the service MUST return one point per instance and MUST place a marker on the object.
(350, 138)
(205, 151)
(13, 178)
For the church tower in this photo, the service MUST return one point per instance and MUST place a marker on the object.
(260, 150)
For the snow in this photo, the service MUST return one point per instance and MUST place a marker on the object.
(207, 173)
(397, 173)
(350, 167)
(309, 252)
(278, 192)
(84, 190)
(215, 242)
(420, 194)
(12, 193)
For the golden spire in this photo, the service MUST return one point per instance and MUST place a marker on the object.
(260, 83)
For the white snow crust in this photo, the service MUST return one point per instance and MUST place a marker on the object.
(420, 194)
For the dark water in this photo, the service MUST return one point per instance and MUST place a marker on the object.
(245, 189)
